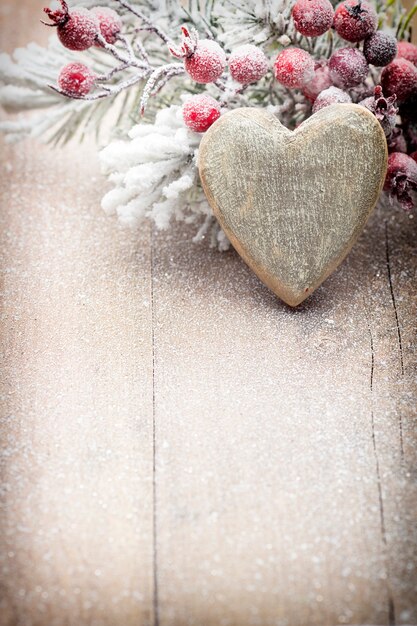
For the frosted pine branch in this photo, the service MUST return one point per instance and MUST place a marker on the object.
(154, 173)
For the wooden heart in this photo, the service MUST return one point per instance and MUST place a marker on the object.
(293, 203)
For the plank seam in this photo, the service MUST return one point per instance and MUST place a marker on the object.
(155, 599)
(400, 343)
(391, 606)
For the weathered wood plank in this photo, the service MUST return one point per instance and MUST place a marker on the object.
(285, 486)
(274, 456)
(394, 390)
(76, 430)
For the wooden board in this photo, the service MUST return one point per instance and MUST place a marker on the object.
(177, 446)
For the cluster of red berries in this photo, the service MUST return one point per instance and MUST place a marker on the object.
(80, 29)
(322, 82)
(354, 20)
(325, 82)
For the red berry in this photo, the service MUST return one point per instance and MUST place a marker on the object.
(77, 29)
(200, 112)
(248, 64)
(76, 79)
(294, 67)
(355, 19)
(407, 50)
(312, 17)
(413, 156)
(331, 95)
(380, 48)
(207, 62)
(109, 21)
(204, 59)
(401, 178)
(399, 78)
(348, 67)
(320, 81)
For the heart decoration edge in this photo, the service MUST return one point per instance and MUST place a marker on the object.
(272, 282)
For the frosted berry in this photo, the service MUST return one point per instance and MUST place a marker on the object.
(380, 48)
(399, 78)
(348, 67)
(321, 80)
(77, 29)
(312, 17)
(204, 59)
(355, 19)
(247, 64)
(407, 50)
(401, 178)
(200, 112)
(383, 108)
(294, 67)
(332, 95)
(109, 22)
(76, 79)
(207, 63)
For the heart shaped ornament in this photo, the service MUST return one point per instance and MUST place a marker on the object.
(293, 203)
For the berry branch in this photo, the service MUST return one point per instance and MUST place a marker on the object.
(150, 26)
(294, 57)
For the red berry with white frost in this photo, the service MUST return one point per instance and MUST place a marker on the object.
(348, 67)
(401, 178)
(109, 22)
(76, 79)
(355, 19)
(207, 62)
(320, 81)
(407, 50)
(331, 95)
(399, 78)
(247, 64)
(77, 28)
(200, 112)
(380, 48)
(294, 67)
(312, 18)
(204, 59)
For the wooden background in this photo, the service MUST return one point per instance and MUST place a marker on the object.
(179, 448)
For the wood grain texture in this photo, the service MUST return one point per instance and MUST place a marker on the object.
(178, 448)
(283, 493)
(293, 203)
(76, 538)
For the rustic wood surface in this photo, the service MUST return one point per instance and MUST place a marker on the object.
(178, 447)
(293, 203)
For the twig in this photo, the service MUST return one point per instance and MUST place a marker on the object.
(175, 72)
(151, 27)
(105, 77)
(107, 89)
(161, 73)
(141, 51)
(130, 60)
